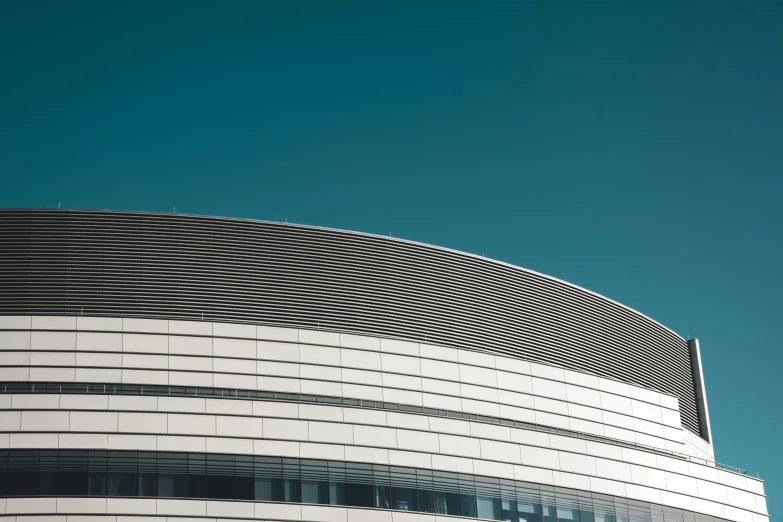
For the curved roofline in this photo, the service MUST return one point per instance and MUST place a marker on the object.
(368, 234)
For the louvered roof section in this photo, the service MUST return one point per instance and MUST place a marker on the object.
(190, 267)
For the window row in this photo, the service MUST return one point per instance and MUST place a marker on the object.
(179, 391)
(279, 479)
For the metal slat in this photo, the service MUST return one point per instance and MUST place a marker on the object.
(185, 267)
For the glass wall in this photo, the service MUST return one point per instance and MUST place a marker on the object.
(281, 479)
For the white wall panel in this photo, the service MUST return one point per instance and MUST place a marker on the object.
(442, 425)
(532, 474)
(551, 389)
(439, 369)
(417, 441)
(438, 352)
(198, 364)
(196, 328)
(514, 382)
(142, 422)
(319, 355)
(645, 476)
(547, 372)
(476, 358)
(45, 421)
(145, 343)
(490, 431)
(14, 340)
(82, 441)
(399, 347)
(233, 348)
(330, 432)
(145, 325)
(403, 396)
(375, 436)
(406, 420)
(475, 375)
(406, 382)
(450, 463)
(144, 377)
(363, 368)
(52, 359)
(246, 331)
(238, 426)
(312, 387)
(285, 429)
(104, 360)
(103, 421)
(448, 388)
(97, 375)
(190, 345)
(99, 342)
(460, 446)
(86, 402)
(444, 402)
(540, 457)
(519, 400)
(360, 359)
(500, 451)
(480, 407)
(582, 395)
(361, 342)
(33, 402)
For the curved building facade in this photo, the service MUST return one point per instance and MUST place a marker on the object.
(158, 367)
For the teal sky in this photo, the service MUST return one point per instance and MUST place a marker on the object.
(633, 148)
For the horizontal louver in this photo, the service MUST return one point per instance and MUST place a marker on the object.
(188, 267)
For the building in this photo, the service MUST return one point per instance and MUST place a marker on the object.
(155, 367)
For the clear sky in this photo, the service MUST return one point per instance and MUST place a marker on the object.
(633, 148)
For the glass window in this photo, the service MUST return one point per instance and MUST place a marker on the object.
(47, 475)
(315, 482)
(426, 496)
(488, 498)
(508, 501)
(97, 468)
(292, 491)
(585, 507)
(528, 503)
(268, 479)
(337, 484)
(446, 487)
(467, 495)
(243, 477)
(548, 509)
(403, 489)
(23, 473)
(197, 476)
(148, 474)
(72, 473)
(621, 510)
(382, 486)
(639, 511)
(358, 485)
(172, 474)
(220, 472)
(672, 514)
(603, 508)
(122, 474)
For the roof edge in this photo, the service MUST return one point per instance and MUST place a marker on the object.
(365, 234)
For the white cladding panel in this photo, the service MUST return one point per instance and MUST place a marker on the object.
(180, 353)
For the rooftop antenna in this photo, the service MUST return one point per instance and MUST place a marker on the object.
(58, 204)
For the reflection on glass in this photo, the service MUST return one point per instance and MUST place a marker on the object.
(312, 481)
